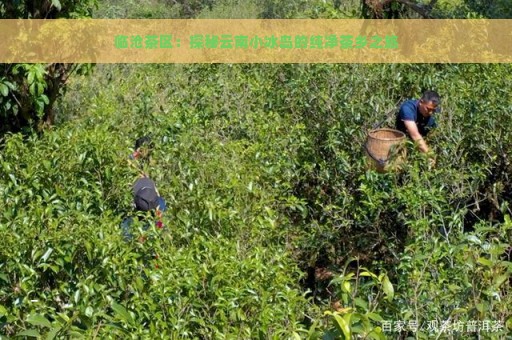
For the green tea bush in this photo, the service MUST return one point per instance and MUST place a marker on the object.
(265, 181)
(219, 268)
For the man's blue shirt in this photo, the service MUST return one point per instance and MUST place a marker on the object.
(410, 111)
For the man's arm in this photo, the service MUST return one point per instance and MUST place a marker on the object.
(412, 128)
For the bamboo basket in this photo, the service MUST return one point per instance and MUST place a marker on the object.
(385, 149)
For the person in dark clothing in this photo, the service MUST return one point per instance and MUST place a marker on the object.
(143, 147)
(145, 198)
(416, 117)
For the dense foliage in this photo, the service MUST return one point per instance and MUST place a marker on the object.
(275, 228)
(265, 178)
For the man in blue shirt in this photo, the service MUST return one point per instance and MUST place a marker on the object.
(415, 117)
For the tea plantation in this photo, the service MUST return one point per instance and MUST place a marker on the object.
(275, 227)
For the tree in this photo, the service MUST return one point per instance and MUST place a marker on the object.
(28, 92)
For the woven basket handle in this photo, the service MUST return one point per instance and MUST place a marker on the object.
(388, 114)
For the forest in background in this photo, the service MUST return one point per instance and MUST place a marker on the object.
(275, 226)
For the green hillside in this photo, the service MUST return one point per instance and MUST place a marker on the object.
(275, 227)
